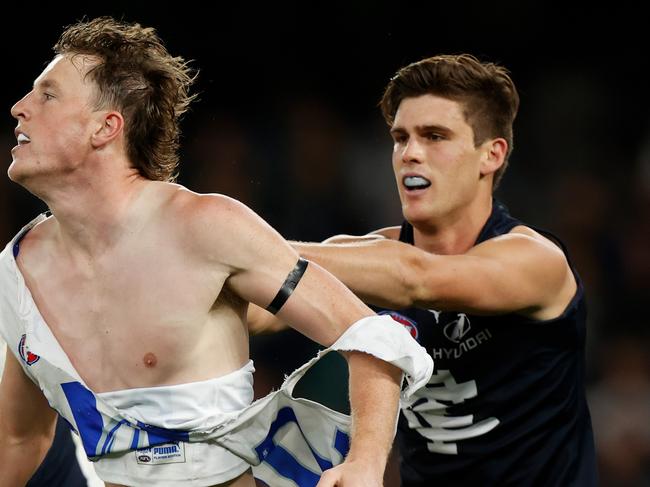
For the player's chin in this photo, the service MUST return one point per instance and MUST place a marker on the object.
(415, 211)
(20, 172)
(15, 172)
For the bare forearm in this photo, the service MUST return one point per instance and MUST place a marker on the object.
(374, 270)
(374, 397)
(20, 459)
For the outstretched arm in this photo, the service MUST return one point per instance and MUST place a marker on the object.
(518, 272)
(26, 425)
(261, 321)
(258, 261)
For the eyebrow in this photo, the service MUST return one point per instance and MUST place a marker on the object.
(48, 84)
(423, 128)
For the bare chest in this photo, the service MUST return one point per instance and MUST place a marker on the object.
(128, 321)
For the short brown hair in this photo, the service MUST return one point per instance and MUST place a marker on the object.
(485, 90)
(137, 76)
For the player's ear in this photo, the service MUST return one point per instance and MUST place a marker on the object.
(109, 126)
(494, 155)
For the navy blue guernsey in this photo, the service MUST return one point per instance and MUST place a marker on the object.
(506, 405)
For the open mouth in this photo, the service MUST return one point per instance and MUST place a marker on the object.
(23, 139)
(415, 182)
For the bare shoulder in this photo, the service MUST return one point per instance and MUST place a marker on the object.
(520, 237)
(528, 249)
(537, 240)
(206, 209)
(525, 248)
(38, 242)
(213, 226)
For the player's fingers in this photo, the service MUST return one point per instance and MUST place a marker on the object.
(330, 478)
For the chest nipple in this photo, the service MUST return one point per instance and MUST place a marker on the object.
(149, 360)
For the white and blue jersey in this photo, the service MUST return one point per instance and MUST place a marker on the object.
(289, 441)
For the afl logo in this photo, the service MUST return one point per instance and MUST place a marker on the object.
(144, 458)
(407, 323)
(28, 357)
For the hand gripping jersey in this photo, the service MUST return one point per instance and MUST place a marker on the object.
(290, 441)
(506, 403)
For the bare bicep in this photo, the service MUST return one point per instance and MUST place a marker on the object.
(512, 273)
(258, 261)
(321, 307)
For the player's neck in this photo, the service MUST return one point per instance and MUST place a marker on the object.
(92, 212)
(455, 232)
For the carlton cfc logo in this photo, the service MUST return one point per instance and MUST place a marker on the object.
(410, 325)
(28, 357)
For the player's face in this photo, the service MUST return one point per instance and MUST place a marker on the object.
(437, 167)
(55, 121)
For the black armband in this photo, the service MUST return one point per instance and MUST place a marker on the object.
(290, 283)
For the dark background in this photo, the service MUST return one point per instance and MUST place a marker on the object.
(287, 122)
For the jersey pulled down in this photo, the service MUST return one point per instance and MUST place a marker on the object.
(506, 403)
(289, 441)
